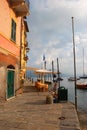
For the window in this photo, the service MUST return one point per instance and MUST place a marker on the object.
(13, 30)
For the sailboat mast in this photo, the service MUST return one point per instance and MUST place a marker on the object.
(83, 63)
(53, 69)
(74, 55)
(58, 71)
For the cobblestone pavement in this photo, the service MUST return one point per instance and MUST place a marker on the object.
(29, 111)
(83, 120)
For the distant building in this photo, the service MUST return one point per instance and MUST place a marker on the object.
(12, 23)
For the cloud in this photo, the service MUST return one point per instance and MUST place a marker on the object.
(50, 26)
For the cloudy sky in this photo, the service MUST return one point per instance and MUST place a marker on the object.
(50, 34)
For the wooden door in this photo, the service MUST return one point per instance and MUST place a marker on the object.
(10, 84)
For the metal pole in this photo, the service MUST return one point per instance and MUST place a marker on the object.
(83, 63)
(44, 68)
(74, 63)
(44, 64)
(53, 70)
(58, 72)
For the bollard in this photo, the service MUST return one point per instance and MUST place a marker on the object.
(49, 99)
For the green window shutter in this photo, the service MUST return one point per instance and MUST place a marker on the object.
(13, 30)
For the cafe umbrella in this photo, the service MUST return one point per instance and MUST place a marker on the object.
(42, 73)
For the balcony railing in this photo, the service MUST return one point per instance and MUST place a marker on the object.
(20, 7)
(26, 58)
(26, 44)
(27, 49)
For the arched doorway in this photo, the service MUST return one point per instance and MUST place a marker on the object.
(10, 81)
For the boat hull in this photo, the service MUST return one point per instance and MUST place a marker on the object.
(83, 77)
(81, 86)
(73, 79)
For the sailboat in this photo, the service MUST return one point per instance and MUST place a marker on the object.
(82, 85)
(83, 76)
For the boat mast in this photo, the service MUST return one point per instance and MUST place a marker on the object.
(83, 63)
(74, 62)
(58, 71)
(53, 70)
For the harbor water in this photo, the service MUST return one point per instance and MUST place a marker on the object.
(81, 94)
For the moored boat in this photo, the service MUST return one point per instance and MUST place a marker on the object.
(83, 77)
(73, 79)
(59, 79)
(81, 85)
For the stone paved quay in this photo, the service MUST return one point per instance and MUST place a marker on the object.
(29, 111)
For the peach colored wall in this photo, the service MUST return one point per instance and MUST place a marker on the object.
(18, 31)
(6, 14)
(7, 45)
(5, 18)
(8, 59)
(12, 49)
(18, 26)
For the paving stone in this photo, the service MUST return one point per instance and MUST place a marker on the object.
(29, 111)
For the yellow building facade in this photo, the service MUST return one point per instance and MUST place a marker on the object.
(24, 48)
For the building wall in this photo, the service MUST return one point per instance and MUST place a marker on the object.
(9, 50)
(23, 50)
(3, 82)
(5, 18)
(6, 14)
(23, 47)
(8, 46)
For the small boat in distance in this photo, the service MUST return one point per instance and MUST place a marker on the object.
(81, 85)
(73, 79)
(59, 79)
(83, 77)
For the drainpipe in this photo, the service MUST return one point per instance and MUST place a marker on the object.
(20, 53)
(20, 42)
